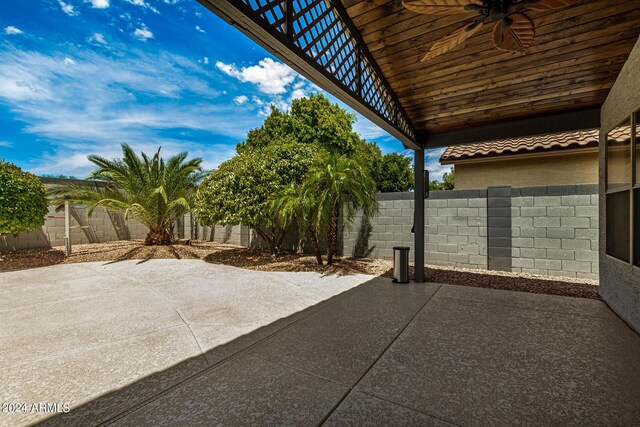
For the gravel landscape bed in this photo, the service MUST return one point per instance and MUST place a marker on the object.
(241, 257)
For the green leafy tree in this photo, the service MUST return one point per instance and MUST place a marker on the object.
(276, 128)
(23, 203)
(395, 173)
(318, 122)
(447, 183)
(271, 164)
(313, 120)
(241, 190)
(371, 157)
(341, 186)
(148, 189)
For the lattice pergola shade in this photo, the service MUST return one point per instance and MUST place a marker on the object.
(316, 27)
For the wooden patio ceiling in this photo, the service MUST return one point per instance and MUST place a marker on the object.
(367, 53)
(477, 92)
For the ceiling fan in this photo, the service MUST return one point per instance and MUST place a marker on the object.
(513, 31)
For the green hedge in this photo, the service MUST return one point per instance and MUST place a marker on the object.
(23, 202)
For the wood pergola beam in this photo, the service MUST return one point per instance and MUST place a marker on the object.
(380, 104)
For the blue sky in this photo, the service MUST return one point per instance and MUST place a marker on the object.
(80, 77)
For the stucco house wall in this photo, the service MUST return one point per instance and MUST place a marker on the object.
(569, 167)
(619, 281)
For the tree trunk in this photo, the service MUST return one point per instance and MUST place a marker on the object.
(332, 238)
(158, 237)
(300, 247)
(314, 240)
(270, 240)
(277, 237)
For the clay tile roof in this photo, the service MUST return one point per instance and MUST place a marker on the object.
(549, 142)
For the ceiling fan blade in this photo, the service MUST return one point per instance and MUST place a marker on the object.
(550, 4)
(453, 40)
(516, 36)
(438, 7)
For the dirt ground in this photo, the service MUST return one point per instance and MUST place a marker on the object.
(218, 253)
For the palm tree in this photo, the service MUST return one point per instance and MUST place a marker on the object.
(340, 185)
(148, 189)
(296, 204)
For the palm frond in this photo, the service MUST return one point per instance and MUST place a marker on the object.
(142, 187)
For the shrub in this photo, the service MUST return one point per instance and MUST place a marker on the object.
(241, 190)
(23, 203)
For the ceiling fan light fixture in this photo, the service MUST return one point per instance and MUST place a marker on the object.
(513, 31)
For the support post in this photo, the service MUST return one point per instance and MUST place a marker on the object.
(418, 226)
(67, 229)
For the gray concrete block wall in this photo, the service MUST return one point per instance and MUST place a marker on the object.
(551, 230)
(499, 224)
(555, 231)
(376, 236)
(455, 228)
(230, 234)
(101, 228)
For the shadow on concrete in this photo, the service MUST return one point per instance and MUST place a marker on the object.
(382, 354)
(116, 404)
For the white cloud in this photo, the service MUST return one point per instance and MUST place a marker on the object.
(204, 60)
(97, 38)
(5, 144)
(432, 163)
(298, 93)
(275, 79)
(277, 102)
(368, 130)
(240, 99)
(143, 3)
(143, 34)
(69, 61)
(98, 4)
(91, 107)
(11, 30)
(200, 29)
(270, 76)
(68, 8)
(76, 163)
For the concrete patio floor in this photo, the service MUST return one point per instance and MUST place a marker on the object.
(373, 354)
(70, 333)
